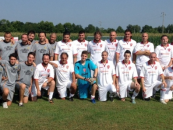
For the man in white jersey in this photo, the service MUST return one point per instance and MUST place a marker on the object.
(111, 46)
(65, 77)
(66, 45)
(43, 78)
(142, 51)
(125, 44)
(164, 52)
(125, 72)
(53, 44)
(106, 77)
(81, 44)
(151, 71)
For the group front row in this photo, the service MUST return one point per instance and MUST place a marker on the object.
(29, 80)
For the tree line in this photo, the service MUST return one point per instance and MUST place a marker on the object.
(48, 27)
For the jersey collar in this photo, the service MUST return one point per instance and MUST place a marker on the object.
(62, 63)
(126, 40)
(81, 41)
(166, 45)
(124, 62)
(95, 41)
(102, 61)
(65, 42)
(150, 63)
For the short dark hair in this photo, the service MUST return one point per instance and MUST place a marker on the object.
(45, 55)
(163, 36)
(98, 32)
(84, 52)
(82, 31)
(13, 55)
(41, 32)
(64, 53)
(31, 53)
(127, 30)
(127, 51)
(66, 33)
(31, 32)
(7, 33)
(105, 52)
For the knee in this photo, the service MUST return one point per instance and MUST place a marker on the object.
(9, 103)
(52, 82)
(22, 86)
(94, 87)
(6, 91)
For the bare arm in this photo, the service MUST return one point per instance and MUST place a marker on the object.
(163, 80)
(117, 57)
(95, 73)
(56, 56)
(73, 77)
(53, 64)
(134, 58)
(147, 53)
(74, 59)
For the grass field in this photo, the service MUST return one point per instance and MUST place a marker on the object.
(83, 115)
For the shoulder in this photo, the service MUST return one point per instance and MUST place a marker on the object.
(39, 66)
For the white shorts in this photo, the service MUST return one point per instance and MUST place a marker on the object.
(165, 93)
(138, 68)
(124, 89)
(62, 89)
(103, 91)
(34, 89)
(149, 89)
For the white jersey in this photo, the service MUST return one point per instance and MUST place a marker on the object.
(141, 59)
(124, 45)
(111, 48)
(96, 50)
(68, 47)
(125, 72)
(164, 54)
(169, 72)
(150, 73)
(42, 73)
(80, 46)
(63, 73)
(105, 73)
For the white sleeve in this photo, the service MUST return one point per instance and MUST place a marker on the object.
(89, 49)
(165, 72)
(157, 52)
(36, 73)
(142, 72)
(74, 48)
(160, 70)
(57, 49)
(137, 48)
(51, 72)
(135, 75)
(117, 72)
(152, 48)
(71, 68)
(113, 69)
(118, 48)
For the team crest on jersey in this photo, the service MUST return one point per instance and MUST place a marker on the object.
(69, 44)
(131, 44)
(148, 45)
(84, 69)
(116, 45)
(130, 67)
(67, 66)
(45, 47)
(101, 45)
(48, 70)
(155, 67)
(108, 66)
(85, 44)
(169, 49)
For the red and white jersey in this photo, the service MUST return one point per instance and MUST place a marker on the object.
(164, 54)
(96, 50)
(80, 46)
(169, 72)
(150, 72)
(63, 72)
(68, 47)
(124, 45)
(125, 72)
(105, 73)
(141, 59)
(42, 73)
(111, 48)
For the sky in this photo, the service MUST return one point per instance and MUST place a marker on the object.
(101, 13)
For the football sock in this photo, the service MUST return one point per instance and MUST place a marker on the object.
(50, 95)
(92, 97)
(71, 95)
(134, 94)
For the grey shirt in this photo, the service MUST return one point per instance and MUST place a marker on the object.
(53, 47)
(1, 73)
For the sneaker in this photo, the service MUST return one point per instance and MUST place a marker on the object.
(50, 100)
(147, 99)
(71, 99)
(20, 104)
(133, 101)
(112, 99)
(4, 105)
(162, 101)
(93, 100)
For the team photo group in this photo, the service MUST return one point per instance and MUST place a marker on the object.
(109, 69)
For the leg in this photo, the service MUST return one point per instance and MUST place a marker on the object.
(5, 93)
(22, 90)
(135, 93)
(33, 93)
(25, 99)
(93, 90)
(51, 89)
(73, 88)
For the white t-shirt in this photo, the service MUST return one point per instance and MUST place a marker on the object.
(125, 45)
(111, 49)
(42, 73)
(80, 46)
(164, 54)
(125, 72)
(68, 47)
(150, 73)
(141, 59)
(169, 72)
(96, 50)
(105, 73)
(63, 72)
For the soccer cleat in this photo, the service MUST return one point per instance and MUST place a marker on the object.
(163, 102)
(112, 99)
(4, 105)
(133, 101)
(50, 100)
(20, 104)
(71, 99)
(93, 100)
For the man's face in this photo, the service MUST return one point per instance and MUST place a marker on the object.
(66, 38)
(42, 37)
(127, 56)
(153, 57)
(104, 56)
(64, 59)
(7, 37)
(31, 37)
(46, 59)
(31, 59)
(12, 60)
(164, 40)
(97, 37)
(144, 37)
(81, 36)
(84, 57)
(128, 35)
(113, 35)
(53, 38)
(24, 38)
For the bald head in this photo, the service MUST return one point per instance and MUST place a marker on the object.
(144, 37)
(113, 35)
(52, 38)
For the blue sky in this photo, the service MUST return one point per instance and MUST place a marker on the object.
(110, 13)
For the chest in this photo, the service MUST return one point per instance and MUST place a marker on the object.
(65, 47)
(165, 51)
(81, 46)
(8, 47)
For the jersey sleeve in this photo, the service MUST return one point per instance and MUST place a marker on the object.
(71, 68)
(57, 51)
(89, 49)
(51, 72)
(113, 70)
(92, 65)
(50, 50)
(74, 49)
(142, 73)
(33, 48)
(117, 71)
(165, 72)
(157, 51)
(36, 73)
(3, 62)
(118, 48)
(76, 69)
(160, 70)
(152, 48)
(137, 48)
(135, 75)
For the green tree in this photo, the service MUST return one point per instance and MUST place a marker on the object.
(119, 29)
(90, 29)
(59, 28)
(46, 26)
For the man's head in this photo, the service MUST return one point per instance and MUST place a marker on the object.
(144, 37)
(31, 57)
(164, 39)
(24, 38)
(127, 34)
(13, 58)
(81, 35)
(42, 36)
(113, 35)
(66, 36)
(127, 55)
(84, 55)
(7, 36)
(153, 57)
(45, 59)
(53, 38)
(64, 57)
(104, 55)
(97, 36)
(31, 35)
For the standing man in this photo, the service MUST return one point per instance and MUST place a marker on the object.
(83, 72)
(81, 44)
(43, 78)
(66, 45)
(126, 72)
(6, 46)
(111, 46)
(7, 86)
(106, 78)
(126, 44)
(24, 82)
(151, 71)
(142, 51)
(53, 44)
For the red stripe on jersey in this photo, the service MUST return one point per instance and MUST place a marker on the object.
(141, 77)
(117, 53)
(134, 77)
(117, 76)
(56, 54)
(114, 75)
(161, 74)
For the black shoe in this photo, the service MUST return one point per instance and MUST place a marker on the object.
(112, 99)
(71, 99)
(147, 99)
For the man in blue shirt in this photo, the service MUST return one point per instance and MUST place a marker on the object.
(83, 73)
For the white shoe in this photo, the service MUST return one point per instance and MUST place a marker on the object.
(162, 101)
(4, 105)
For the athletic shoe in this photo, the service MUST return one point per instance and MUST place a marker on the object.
(71, 99)
(162, 101)
(93, 100)
(112, 99)
(147, 99)
(133, 101)
(20, 104)
(50, 100)
(4, 105)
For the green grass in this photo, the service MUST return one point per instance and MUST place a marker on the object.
(81, 114)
